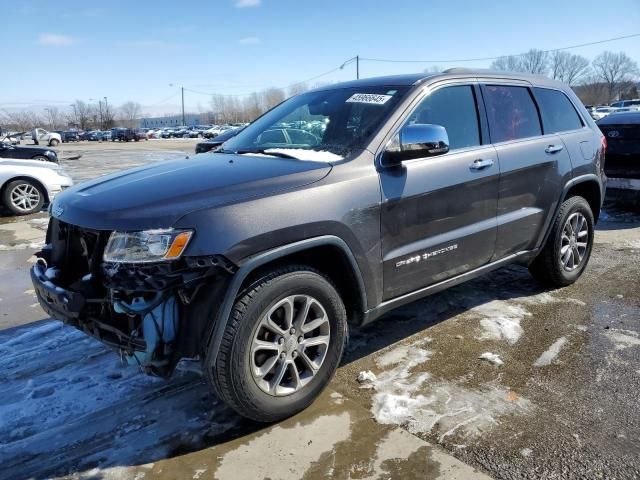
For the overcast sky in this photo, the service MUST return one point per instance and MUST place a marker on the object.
(56, 52)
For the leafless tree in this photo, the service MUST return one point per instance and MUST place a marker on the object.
(130, 113)
(21, 120)
(614, 69)
(297, 89)
(510, 63)
(535, 61)
(83, 113)
(272, 97)
(568, 67)
(592, 91)
(54, 118)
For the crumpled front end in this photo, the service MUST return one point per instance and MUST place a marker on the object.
(153, 314)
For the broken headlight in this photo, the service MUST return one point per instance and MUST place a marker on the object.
(146, 246)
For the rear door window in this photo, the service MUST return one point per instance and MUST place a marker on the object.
(511, 112)
(558, 113)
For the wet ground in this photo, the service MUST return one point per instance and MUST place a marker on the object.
(512, 380)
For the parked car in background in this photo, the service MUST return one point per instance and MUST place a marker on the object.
(180, 132)
(105, 136)
(166, 133)
(68, 136)
(140, 134)
(601, 112)
(622, 163)
(43, 137)
(26, 186)
(257, 257)
(626, 103)
(28, 152)
(124, 135)
(212, 143)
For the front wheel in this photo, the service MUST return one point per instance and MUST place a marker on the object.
(281, 346)
(53, 142)
(23, 197)
(568, 248)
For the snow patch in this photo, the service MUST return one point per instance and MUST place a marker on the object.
(21, 246)
(405, 395)
(623, 338)
(551, 353)
(492, 358)
(304, 154)
(501, 320)
(366, 377)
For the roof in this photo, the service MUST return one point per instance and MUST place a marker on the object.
(411, 79)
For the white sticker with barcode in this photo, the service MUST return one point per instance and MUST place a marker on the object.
(372, 98)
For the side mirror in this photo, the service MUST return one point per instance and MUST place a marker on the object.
(416, 141)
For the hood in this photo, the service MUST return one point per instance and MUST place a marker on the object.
(157, 195)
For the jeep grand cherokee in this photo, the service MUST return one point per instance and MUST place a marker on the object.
(256, 257)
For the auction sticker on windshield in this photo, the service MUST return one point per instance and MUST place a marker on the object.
(372, 98)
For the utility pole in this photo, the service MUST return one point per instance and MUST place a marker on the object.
(101, 117)
(182, 88)
(357, 67)
(50, 119)
(75, 114)
(106, 112)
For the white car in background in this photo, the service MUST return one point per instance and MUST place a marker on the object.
(42, 137)
(601, 112)
(28, 185)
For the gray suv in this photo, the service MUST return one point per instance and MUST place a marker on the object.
(333, 208)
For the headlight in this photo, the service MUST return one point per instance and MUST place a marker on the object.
(146, 246)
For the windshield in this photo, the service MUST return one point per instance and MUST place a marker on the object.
(333, 122)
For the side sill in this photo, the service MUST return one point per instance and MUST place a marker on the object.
(523, 258)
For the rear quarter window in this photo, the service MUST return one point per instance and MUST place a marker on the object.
(511, 112)
(557, 111)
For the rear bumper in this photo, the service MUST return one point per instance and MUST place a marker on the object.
(623, 183)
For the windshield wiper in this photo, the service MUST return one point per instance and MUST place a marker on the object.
(266, 151)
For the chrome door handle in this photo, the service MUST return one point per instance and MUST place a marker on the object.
(481, 163)
(553, 148)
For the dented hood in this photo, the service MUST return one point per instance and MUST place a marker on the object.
(157, 195)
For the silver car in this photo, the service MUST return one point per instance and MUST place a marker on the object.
(27, 185)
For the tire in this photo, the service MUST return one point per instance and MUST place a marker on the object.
(24, 190)
(556, 265)
(40, 158)
(231, 373)
(53, 142)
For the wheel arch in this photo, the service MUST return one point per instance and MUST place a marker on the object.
(589, 189)
(34, 180)
(328, 254)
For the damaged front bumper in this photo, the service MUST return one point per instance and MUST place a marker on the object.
(152, 314)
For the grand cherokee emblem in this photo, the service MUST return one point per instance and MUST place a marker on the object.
(613, 134)
(57, 210)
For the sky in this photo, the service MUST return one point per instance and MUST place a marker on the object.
(143, 51)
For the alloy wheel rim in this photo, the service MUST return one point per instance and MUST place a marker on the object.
(574, 241)
(290, 345)
(25, 197)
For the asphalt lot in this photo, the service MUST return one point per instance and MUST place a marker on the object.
(555, 395)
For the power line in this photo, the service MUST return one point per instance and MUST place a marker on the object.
(480, 59)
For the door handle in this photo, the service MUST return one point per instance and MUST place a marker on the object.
(553, 148)
(481, 163)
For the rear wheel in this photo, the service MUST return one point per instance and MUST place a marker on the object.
(40, 158)
(568, 249)
(281, 346)
(53, 142)
(23, 197)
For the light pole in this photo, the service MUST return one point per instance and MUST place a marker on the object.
(107, 119)
(182, 92)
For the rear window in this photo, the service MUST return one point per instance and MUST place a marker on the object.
(511, 112)
(558, 113)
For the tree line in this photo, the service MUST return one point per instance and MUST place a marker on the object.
(80, 114)
(610, 76)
